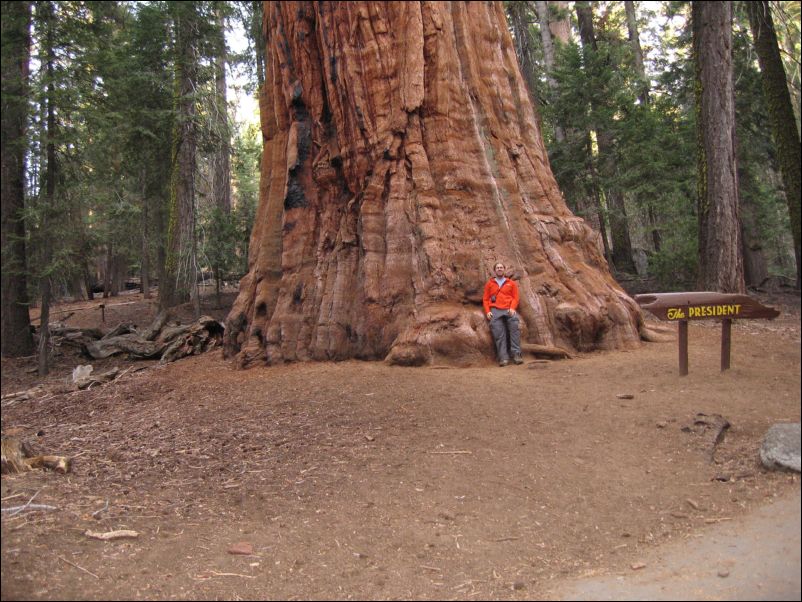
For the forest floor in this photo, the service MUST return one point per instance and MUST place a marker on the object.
(357, 480)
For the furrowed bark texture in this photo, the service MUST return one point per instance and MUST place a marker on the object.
(720, 260)
(781, 116)
(402, 158)
(15, 324)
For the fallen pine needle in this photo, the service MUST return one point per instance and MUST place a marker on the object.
(431, 568)
(18, 509)
(462, 451)
(96, 512)
(78, 567)
(232, 575)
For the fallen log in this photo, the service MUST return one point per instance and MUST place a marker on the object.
(167, 344)
(119, 330)
(16, 457)
(126, 343)
(74, 331)
(199, 337)
(152, 331)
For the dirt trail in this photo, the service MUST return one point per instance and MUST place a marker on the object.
(754, 558)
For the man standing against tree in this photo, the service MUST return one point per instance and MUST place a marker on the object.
(500, 303)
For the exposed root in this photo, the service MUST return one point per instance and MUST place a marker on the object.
(655, 335)
(555, 352)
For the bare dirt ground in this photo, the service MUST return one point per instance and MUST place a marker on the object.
(359, 480)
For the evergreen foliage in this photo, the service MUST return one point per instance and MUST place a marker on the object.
(654, 144)
(114, 97)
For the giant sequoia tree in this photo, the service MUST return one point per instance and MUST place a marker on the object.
(402, 158)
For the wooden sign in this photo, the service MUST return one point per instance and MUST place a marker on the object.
(704, 305)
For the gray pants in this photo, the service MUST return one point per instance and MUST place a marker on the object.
(499, 323)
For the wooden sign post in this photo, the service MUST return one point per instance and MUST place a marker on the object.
(682, 307)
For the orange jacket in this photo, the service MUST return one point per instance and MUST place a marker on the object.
(506, 296)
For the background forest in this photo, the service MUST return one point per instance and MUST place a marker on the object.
(125, 163)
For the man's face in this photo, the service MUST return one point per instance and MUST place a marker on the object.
(499, 269)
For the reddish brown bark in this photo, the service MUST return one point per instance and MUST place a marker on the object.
(396, 170)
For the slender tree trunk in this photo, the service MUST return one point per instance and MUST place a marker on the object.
(396, 171)
(720, 257)
(89, 283)
(221, 179)
(145, 270)
(108, 274)
(616, 210)
(755, 269)
(259, 37)
(119, 275)
(76, 287)
(781, 115)
(519, 21)
(643, 96)
(45, 283)
(16, 338)
(637, 51)
(217, 279)
(181, 269)
(43, 362)
(555, 30)
(594, 208)
(560, 21)
(590, 206)
(161, 250)
(542, 10)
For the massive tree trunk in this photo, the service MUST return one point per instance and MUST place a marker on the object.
(720, 259)
(396, 171)
(781, 115)
(16, 336)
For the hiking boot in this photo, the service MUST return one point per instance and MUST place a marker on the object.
(518, 359)
(503, 363)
